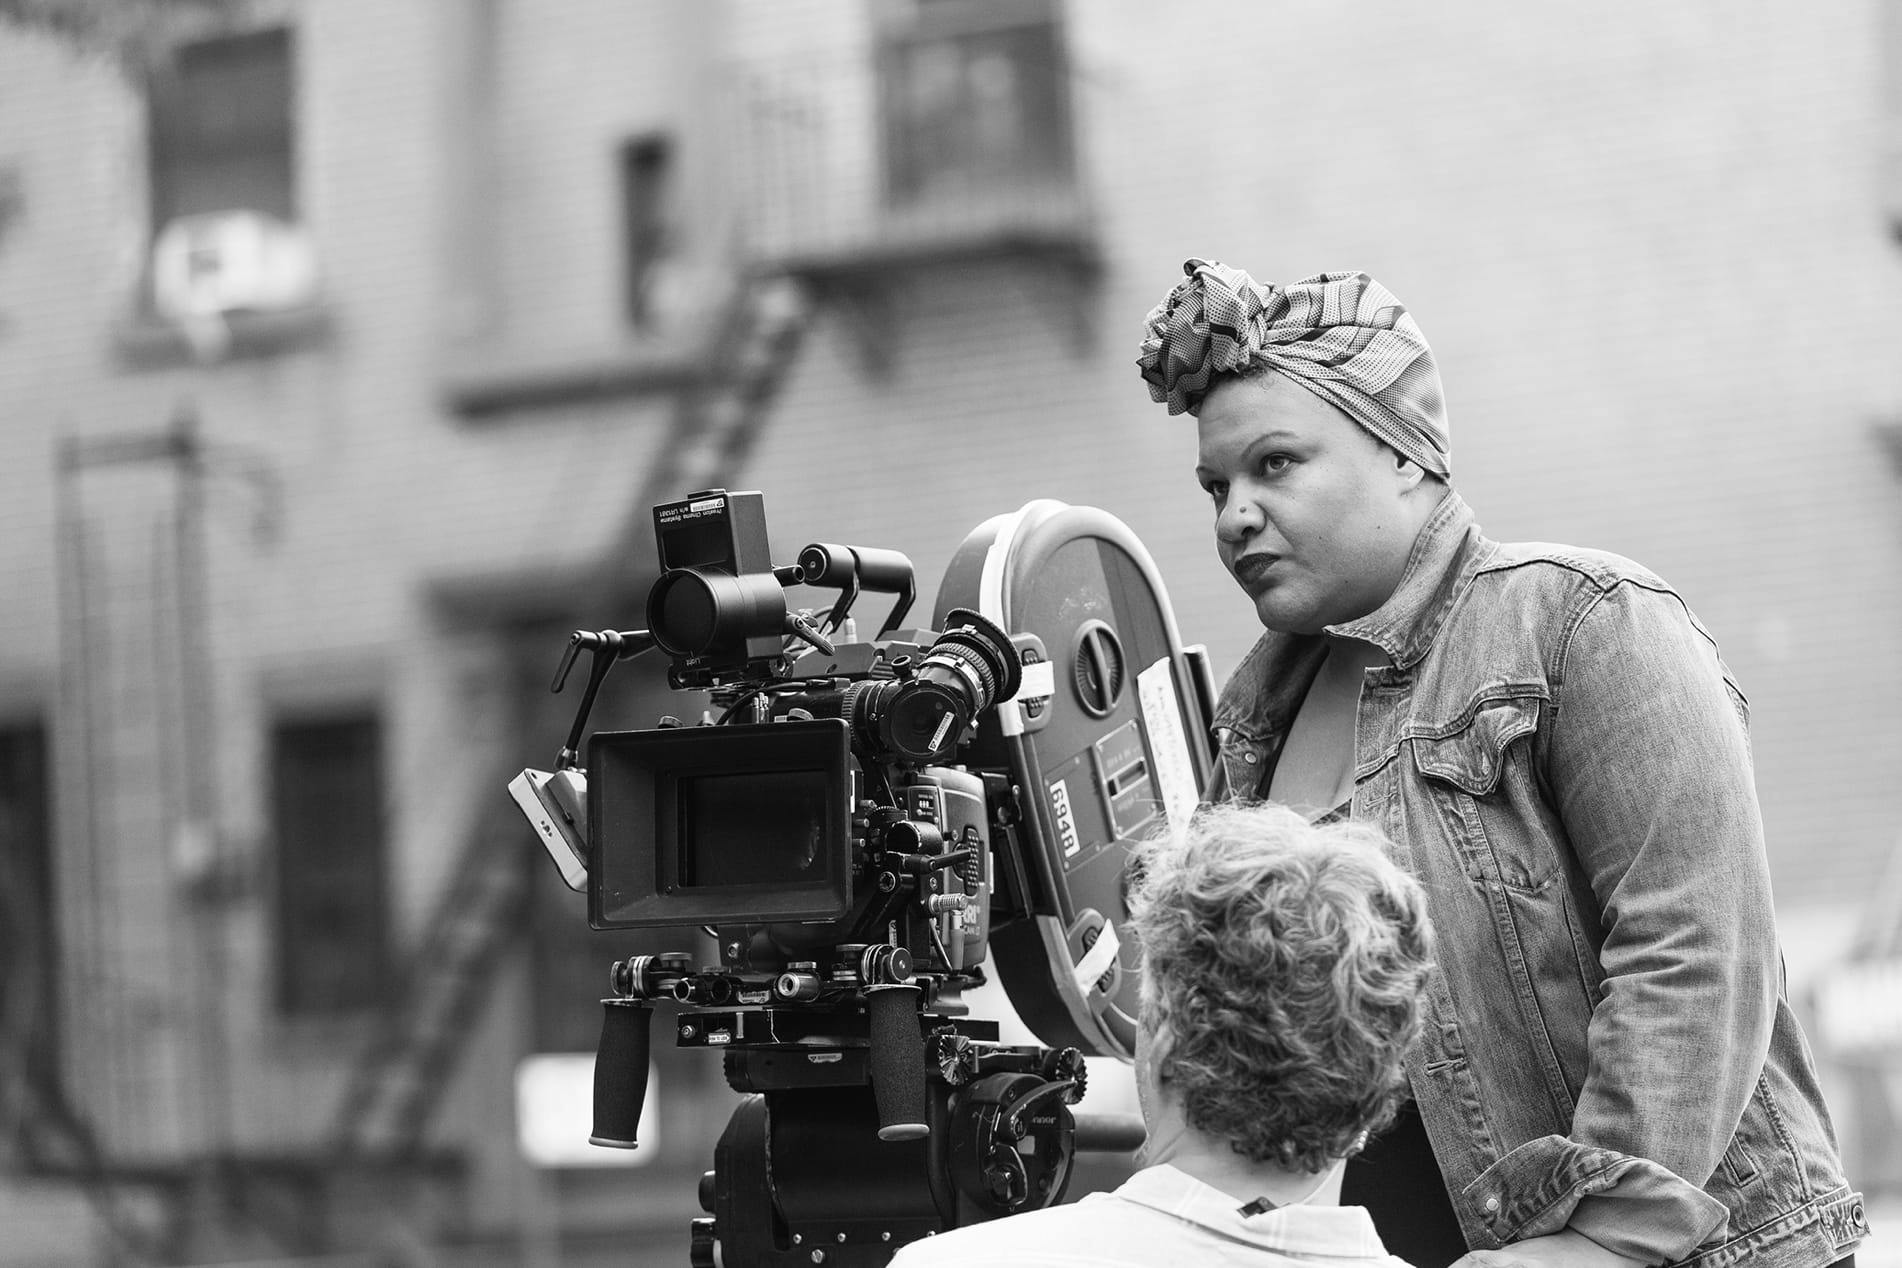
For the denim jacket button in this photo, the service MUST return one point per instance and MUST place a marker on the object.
(1492, 1204)
(1249, 757)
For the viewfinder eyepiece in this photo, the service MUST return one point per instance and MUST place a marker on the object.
(694, 612)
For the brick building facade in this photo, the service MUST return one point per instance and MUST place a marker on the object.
(316, 571)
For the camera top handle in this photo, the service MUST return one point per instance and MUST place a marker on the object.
(850, 569)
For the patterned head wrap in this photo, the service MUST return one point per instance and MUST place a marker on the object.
(1342, 336)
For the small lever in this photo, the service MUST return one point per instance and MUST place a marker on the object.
(622, 645)
(802, 628)
(924, 864)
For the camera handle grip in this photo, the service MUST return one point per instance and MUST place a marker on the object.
(850, 569)
(620, 1072)
(897, 1061)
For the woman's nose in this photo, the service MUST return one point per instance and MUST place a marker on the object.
(1237, 521)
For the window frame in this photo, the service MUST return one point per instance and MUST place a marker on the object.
(337, 972)
(917, 169)
(186, 155)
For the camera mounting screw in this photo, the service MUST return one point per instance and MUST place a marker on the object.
(885, 965)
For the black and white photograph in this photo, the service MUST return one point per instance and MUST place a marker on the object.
(1038, 633)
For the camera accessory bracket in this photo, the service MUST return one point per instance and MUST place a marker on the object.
(555, 805)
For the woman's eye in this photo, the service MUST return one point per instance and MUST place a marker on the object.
(1277, 462)
(1217, 490)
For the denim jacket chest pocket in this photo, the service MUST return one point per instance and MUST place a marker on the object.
(1478, 775)
(1520, 923)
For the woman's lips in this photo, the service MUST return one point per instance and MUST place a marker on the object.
(1250, 569)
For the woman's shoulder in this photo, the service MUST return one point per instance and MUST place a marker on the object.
(1553, 563)
(1511, 624)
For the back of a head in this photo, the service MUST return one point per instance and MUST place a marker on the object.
(1289, 963)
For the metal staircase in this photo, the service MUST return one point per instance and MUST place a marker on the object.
(754, 343)
(397, 1082)
(142, 1214)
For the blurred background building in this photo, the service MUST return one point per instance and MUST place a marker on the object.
(346, 344)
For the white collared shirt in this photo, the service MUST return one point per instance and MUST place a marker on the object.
(1160, 1216)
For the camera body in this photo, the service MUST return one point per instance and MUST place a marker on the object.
(854, 826)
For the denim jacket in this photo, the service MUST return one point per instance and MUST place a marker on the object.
(1564, 760)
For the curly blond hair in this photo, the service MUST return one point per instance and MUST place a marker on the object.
(1289, 962)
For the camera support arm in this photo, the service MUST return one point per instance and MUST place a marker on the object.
(607, 647)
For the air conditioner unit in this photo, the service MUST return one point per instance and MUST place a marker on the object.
(218, 262)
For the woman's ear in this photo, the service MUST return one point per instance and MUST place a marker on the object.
(1161, 1041)
(1408, 472)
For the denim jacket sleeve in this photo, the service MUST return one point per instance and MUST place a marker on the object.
(1647, 762)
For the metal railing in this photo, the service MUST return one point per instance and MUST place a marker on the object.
(839, 158)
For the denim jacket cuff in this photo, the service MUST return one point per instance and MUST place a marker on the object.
(1629, 1205)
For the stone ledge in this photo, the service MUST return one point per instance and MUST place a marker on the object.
(147, 342)
(484, 392)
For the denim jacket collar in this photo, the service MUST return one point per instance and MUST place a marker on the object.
(1262, 695)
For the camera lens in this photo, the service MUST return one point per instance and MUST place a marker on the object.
(924, 719)
(920, 717)
(970, 667)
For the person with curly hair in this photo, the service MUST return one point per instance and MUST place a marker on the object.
(1610, 1072)
(1283, 970)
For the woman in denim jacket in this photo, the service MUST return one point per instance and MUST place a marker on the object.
(1611, 1073)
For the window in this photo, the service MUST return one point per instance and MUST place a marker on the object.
(327, 808)
(646, 171)
(221, 129)
(975, 99)
(29, 932)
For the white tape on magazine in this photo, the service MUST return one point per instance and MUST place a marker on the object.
(990, 604)
(1040, 681)
(1096, 962)
(1162, 718)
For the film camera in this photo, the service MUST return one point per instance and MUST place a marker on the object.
(866, 828)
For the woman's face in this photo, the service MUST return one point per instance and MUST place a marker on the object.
(1312, 514)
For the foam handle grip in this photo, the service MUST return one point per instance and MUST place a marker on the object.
(897, 1062)
(620, 1073)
